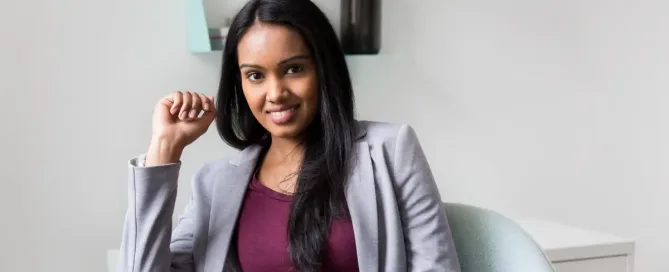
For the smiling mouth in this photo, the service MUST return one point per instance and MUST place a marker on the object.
(283, 115)
(283, 112)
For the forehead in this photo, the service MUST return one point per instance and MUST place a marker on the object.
(265, 43)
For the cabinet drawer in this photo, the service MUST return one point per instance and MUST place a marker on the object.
(608, 264)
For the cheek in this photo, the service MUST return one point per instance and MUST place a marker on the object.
(253, 98)
(312, 97)
(309, 91)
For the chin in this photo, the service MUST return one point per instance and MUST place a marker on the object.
(285, 131)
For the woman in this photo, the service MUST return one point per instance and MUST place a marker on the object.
(311, 190)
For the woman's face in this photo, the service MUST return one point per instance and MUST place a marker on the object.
(278, 78)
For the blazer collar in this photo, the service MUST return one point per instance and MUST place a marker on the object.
(250, 153)
(360, 197)
(362, 205)
(361, 130)
(227, 197)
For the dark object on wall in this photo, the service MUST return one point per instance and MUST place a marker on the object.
(361, 26)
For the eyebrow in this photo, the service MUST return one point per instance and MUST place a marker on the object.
(280, 62)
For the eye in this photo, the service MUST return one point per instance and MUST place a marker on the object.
(254, 76)
(294, 70)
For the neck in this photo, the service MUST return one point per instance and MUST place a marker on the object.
(285, 150)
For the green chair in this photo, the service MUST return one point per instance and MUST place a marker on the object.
(489, 242)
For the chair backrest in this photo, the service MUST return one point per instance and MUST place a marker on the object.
(487, 241)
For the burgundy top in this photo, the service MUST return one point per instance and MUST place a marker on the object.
(262, 242)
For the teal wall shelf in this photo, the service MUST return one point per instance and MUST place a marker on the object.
(202, 38)
(198, 32)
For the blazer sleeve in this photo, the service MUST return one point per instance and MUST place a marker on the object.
(428, 240)
(148, 243)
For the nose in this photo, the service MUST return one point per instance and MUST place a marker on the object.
(276, 91)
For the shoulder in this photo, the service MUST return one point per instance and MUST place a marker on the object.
(206, 175)
(384, 133)
(398, 142)
(212, 172)
(209, 169)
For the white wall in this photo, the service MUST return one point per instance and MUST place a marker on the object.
(552, 109)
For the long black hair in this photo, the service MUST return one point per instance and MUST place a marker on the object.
(328, 140)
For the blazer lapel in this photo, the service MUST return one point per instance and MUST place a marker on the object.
(361, 200)
(231, 186)
(226, 202)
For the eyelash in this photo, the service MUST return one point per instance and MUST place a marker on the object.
(298, 69)
(251, 74)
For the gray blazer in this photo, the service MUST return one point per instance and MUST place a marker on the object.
(398, 220)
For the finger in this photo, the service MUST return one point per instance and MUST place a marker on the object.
(196, 106)
(208, 116)
(186, 105)
(167, 102)
(206, 104)
(177, 99)
(212, 103)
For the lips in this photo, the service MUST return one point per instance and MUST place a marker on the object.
(282, 108)
(282, 115)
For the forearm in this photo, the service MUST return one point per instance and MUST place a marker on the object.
(162, 151)
(148, 223)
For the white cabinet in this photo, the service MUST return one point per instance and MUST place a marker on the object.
(573, 249)
(606, 264)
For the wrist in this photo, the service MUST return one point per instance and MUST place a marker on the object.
(163, 151)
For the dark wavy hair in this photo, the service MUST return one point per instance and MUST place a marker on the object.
(328, 140)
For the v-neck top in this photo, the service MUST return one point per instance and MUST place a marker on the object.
(262, 236)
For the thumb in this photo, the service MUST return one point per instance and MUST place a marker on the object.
(208, 116)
